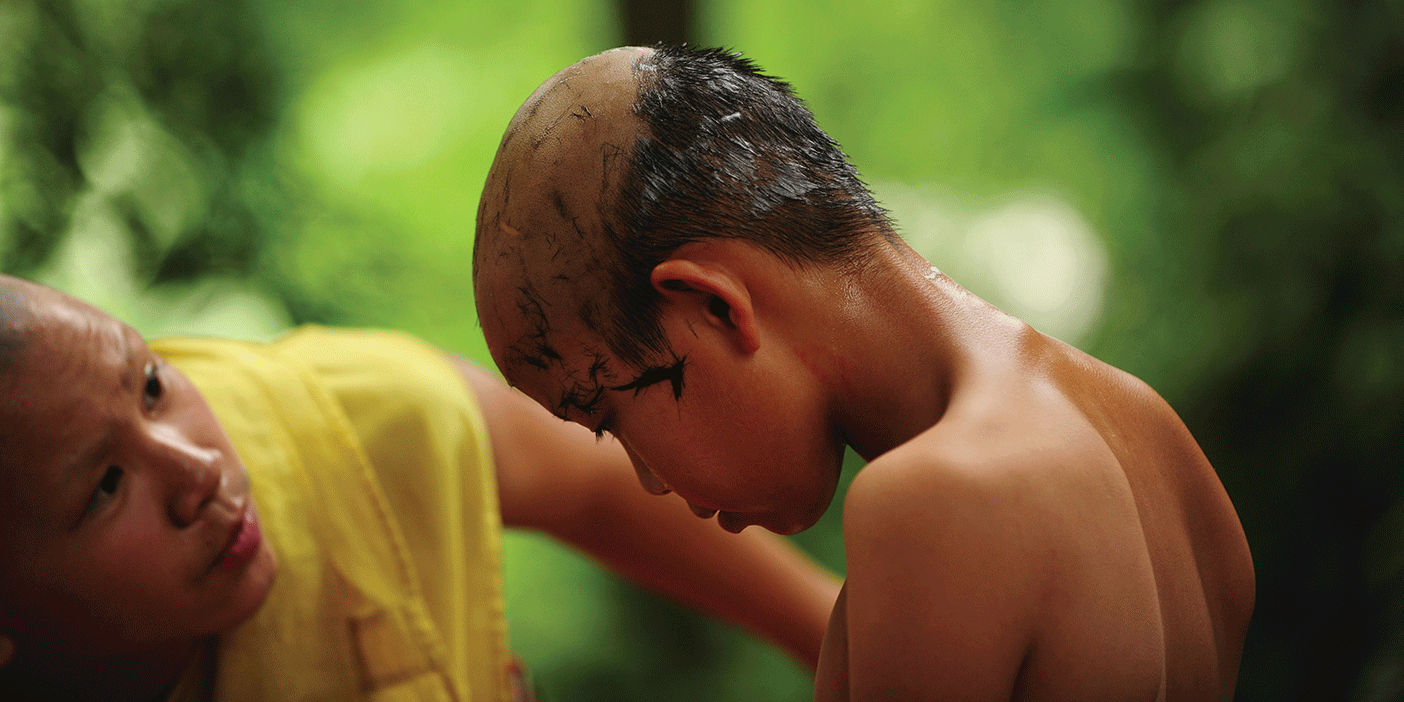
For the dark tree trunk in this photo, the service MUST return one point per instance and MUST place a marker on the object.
(648, 22)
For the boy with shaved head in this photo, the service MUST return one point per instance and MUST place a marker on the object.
(315, 518)
(669, 250)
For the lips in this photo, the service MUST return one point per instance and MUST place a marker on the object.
(243, 541)
(700, 511)
(732, 521)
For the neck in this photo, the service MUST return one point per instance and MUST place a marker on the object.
(907, 338)
(136, 678)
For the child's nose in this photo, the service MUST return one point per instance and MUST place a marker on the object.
(192, 474)
(651, 484)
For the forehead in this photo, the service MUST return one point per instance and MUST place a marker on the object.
(557, 363)
(75, 359)
(68, 337)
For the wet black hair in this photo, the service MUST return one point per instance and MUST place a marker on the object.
(726, 151)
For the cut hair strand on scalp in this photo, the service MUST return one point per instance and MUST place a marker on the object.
(715, 148)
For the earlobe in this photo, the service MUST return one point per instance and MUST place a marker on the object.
(7, 650)
(716, 293)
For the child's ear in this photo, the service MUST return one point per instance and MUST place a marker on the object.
(7, 650)
(716, 292)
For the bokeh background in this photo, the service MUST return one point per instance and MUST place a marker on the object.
(1207, 193)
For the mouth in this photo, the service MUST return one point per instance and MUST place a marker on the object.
(732, 521)
(701, 512)
(242, 543)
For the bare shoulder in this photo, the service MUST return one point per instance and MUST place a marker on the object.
(946, 574)
(994, 550)
(990, 486)
(941, 500)
(952, 480)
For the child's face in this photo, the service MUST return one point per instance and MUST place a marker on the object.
(126, 522)
(742, 440)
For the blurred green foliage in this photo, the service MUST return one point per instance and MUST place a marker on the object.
(1280, 133)
(241, 166)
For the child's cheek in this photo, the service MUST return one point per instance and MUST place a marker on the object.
(136, 558)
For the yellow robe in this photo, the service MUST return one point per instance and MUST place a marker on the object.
(375, 486)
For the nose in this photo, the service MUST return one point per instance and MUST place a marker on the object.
(192, 473)
(650, 482)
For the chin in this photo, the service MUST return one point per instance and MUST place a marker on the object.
(789, 527)
(257, 583)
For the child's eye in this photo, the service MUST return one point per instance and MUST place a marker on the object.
(108, 485)
(151, 392)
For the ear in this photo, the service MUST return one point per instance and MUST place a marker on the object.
(7, 650)
(715, 291)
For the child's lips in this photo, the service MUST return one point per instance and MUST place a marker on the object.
(732, 521)
(700, 511)
(243, 540)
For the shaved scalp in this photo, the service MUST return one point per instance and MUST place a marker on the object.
(14, 317)
(618, 160)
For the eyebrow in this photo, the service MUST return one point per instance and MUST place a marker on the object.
(657, 374)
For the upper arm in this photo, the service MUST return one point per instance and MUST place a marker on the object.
(547, 470)
(944, 583)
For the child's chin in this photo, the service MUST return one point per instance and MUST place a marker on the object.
(254, 587)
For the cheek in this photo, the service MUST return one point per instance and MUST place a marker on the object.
(122, 590)
(760, 424)
(138, 561)
(705, 454)
(778, 439)
(137, 549)
(665, 449)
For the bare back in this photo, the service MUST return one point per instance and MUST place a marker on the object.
(1198, 552)
(1057, 535)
